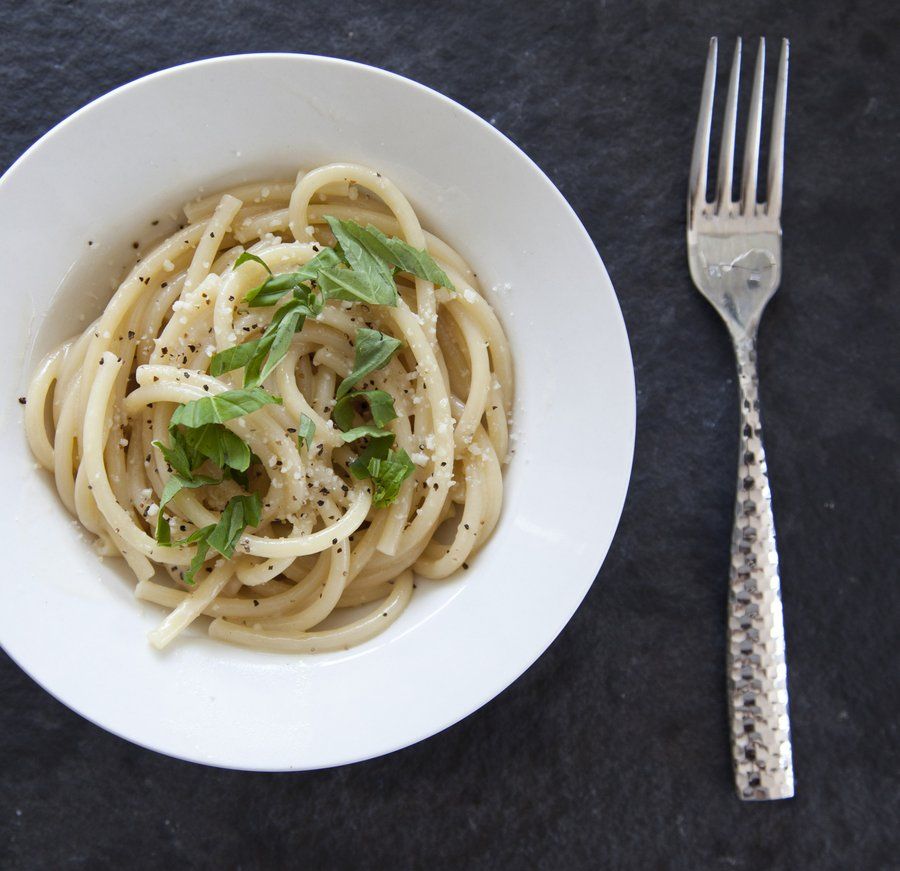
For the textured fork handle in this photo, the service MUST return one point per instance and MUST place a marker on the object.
(757, 671)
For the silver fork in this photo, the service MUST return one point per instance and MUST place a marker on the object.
(734, 252)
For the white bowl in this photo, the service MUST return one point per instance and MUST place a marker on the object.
(135, 155)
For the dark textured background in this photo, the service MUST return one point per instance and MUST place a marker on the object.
(612, 751)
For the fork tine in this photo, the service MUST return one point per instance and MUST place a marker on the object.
(776, 144)
(726, 152)
(700, 159)
(751, 145)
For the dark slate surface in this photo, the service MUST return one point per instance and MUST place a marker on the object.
(612, 750)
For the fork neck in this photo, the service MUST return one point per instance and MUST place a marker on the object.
(745, 355)
(743, 336)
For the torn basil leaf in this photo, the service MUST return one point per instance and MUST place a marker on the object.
(248, 256)
(373, 350)
(388, 475)
(175, 485)
(366, 431)
(367, 269)
(381, 406)
(274, 288)
(347, 284)
(409, 259)
(222, 407)
(306, 431)
(240, 512)
(216, 442)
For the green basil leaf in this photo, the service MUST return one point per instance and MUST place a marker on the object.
(198, 534)
(219, 444)
(375, 245)
(271, 290)
(306, 431)
(200, 555)
(163, 533)
(248, 256)
(354, 286)
(365, 431)
(410, 259)
(176, 455)
(311, 302)
(240, 512)
(253, 369)
(373, 350)
(282, 335)
(259, 357)
(225, 406)
(381, 405)
(371, 270)
(175, 485)
(276, 340)
(344, 411)
(388, 475)
(377, 448)
(286, 321)
(233, 358)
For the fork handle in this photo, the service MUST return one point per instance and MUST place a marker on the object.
(757, 670)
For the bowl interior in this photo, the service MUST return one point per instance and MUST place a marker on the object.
(70, 209)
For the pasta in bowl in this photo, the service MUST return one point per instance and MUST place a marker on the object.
(72, 209)
(290, 407)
